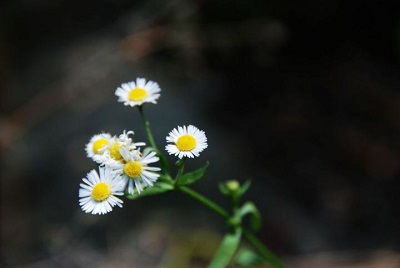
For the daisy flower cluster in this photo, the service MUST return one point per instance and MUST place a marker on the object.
(124, 168)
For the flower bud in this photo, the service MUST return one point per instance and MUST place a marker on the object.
(232, 185)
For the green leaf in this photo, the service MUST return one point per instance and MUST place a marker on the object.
(165, 178)
(191, 177)
(226, 250)
(255, 216)
(245, 187)
(223, 189)
(248, 258)
(158, 188)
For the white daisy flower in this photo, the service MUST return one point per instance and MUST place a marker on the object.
(186, 142)
(98, 192)
(113, 155)
(135, 169)
(97, 146)
(136, 93)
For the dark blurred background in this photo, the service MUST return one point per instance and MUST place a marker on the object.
(301, 97)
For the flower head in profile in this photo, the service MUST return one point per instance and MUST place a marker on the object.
(112, 153)
(136, 93)
(135, 169)
(186, 141)
(97, 146)
(98, 192)
(126, 138)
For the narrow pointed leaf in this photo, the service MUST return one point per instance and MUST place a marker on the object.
(226, 250)
(165, 178)
(223, 189)
(158, 188)
(245, 187)
(192, 177)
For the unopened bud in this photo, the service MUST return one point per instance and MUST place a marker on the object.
(232, 185)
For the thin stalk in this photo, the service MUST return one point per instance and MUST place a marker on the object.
(262, 249)
(181, 168)
(150, 138)
(205, 201)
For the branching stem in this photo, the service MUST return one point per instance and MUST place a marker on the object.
(205, 201)
(252, 239)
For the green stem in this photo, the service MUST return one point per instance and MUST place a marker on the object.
(181, 168)
(262, 249)
(205, 201)
(150, 137)
(253, 240)
(146, 124)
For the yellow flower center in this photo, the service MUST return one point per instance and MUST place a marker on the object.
(186, 143)
(99, 144)
(133, 169)
(114, 151)
(137, 94)
(101, 191)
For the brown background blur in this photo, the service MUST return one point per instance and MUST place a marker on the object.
(302, 97)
